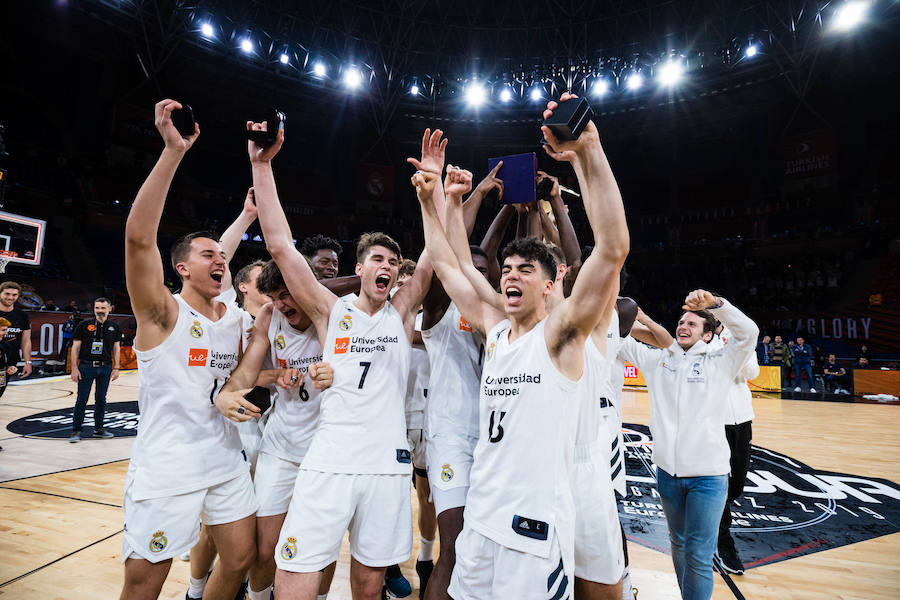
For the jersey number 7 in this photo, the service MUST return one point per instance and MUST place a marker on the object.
(362, 378)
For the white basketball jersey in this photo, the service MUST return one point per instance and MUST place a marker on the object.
(456, 354)
(184, 443)
(520, 488)
(295, 413)
(361, 426)
(417, 383)
(595, 405)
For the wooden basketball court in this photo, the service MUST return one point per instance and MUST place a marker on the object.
(60, 535)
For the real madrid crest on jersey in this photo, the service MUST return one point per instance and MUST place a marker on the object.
(490, 350)
(446, 473)
(279, 342)
(346, 323)
(158, 542)
(196, 329)
(289, 549)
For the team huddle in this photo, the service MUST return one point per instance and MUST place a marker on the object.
(289, 406)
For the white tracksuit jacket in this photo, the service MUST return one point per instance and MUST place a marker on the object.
(740, 400)
(688, 396)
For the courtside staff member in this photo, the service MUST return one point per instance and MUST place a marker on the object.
(95, 357)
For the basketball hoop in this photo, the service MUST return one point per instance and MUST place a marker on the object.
(4, 260)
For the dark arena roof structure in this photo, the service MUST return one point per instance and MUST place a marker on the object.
(750, 139)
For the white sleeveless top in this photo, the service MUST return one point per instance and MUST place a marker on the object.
(295, 413)
(456, 353)
(183, 442)
(520, 488)
(361, 426)
(595, 405)
(417, 383)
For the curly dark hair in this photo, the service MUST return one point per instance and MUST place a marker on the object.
(532, 249)
(313, 244)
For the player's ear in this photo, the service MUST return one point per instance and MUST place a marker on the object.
(358, 269)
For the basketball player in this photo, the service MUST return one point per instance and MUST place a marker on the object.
(355, 474)
(517, 540)
(686, 382)
(323, 253)
(187, 465)
(455, 354)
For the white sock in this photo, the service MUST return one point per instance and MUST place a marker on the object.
(262, 594)
(195, 589)
(626, 586)
(322, 597)
(426, 549)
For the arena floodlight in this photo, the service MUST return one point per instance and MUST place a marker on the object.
(319, 69)
(247, 45)
(284, 58)
(207, 30)
(850, 15)
(751, 51)
(600, 87)
(414, 90)
(352, 78)
(670, 73)
(536, 93)
(634, 81)
(505, 94)
(475, 94)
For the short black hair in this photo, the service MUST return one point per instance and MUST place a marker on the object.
(478, 251)
(532, 249)
(102, 299)
(710, 323)
(243, 276)
(557, 253)
(270, 279)
(182, 247)
(313, 244)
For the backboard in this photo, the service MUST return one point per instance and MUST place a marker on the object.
(22, 239)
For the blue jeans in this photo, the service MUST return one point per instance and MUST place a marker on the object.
(807, 368)
(90, 374)
(693, 507)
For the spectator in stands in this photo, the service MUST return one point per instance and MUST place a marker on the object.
(95, 357)
(803, 364)
(835, 376)
(862, 363)
(780, 355)
(68, 329)
(863, 353)
(73, 307)
(323, 252)
(762, 350)
(49, 305)
(18, 333)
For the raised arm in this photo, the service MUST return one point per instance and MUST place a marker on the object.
(153, 305)
(231, 238)
(568, 239)
(479, 315)
(650, 332)
(492, 239)
(598, 282)
(456, 184)
(315, 299)
(744, 331)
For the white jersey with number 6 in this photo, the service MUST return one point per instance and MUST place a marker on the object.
(295, 414)
(520, 490)
(362, 425)
(184, 443)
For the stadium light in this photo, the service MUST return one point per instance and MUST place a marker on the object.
(414, 90)
(634, 81)
(670, 73)
(505, 94)
(849, 15)
(247, 45)
(352, 78)
(207, 30)
(475, 94)
(319, 70)
(284, 58)
(751, 51)
(600, 87)
(536, 93)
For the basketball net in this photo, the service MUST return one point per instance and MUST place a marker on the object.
(4, 260)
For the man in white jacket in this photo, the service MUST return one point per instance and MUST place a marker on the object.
(739, 433)
(687, 382)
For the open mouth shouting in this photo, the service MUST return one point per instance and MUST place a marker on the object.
(513, 295)
(382, 282)
(217, 276)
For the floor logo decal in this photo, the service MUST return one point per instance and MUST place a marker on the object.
(120, 419)
(788, 509)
